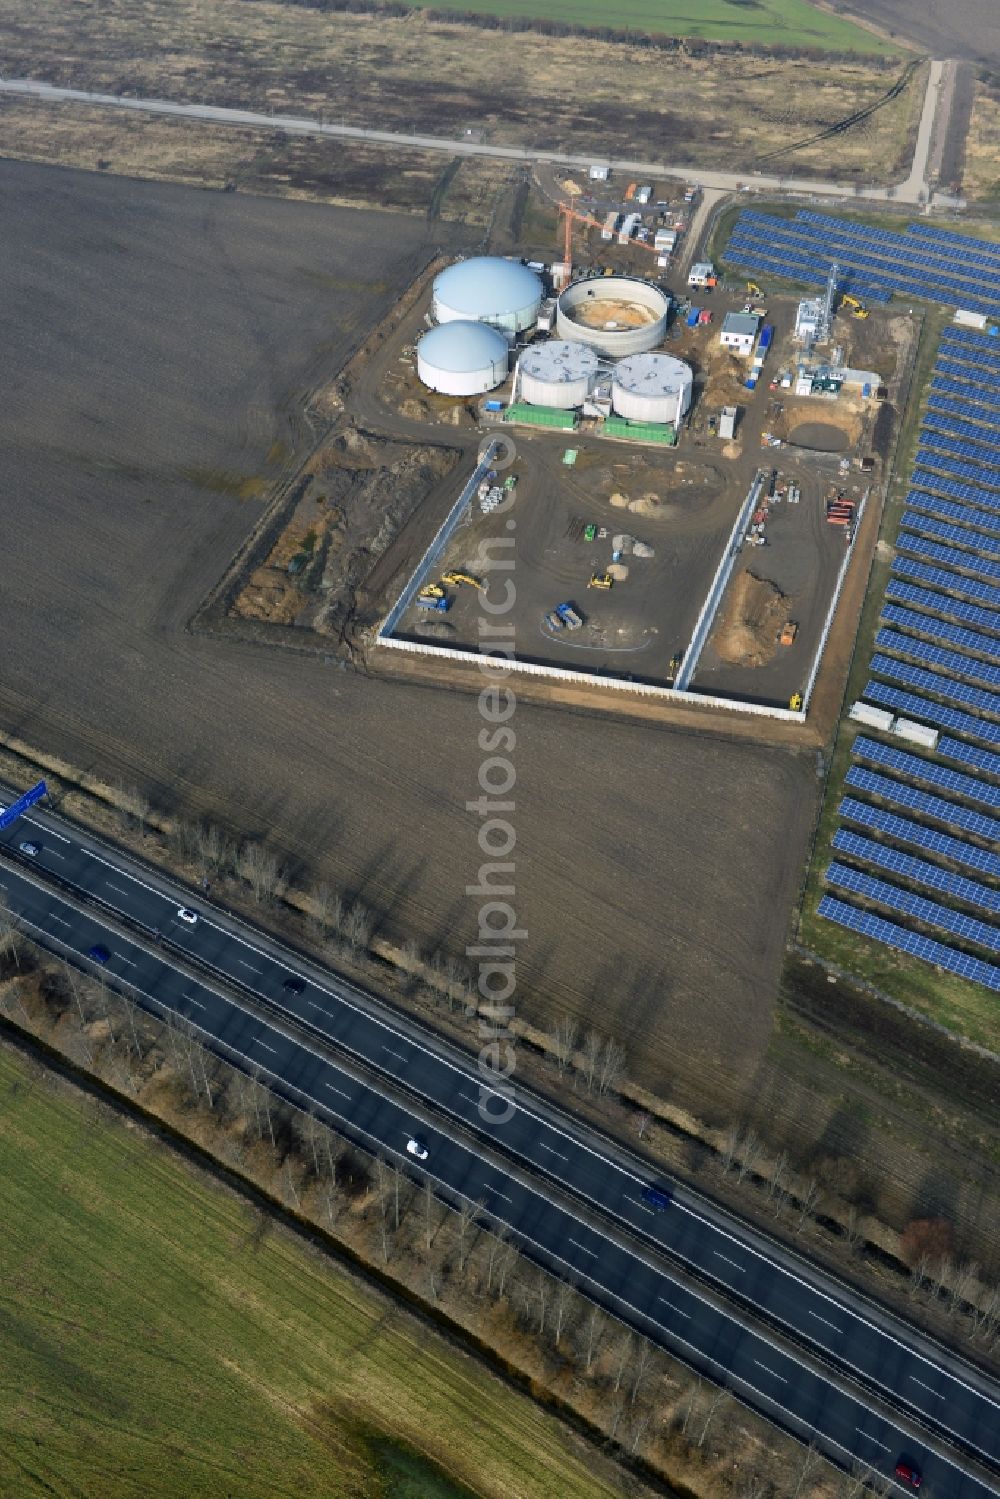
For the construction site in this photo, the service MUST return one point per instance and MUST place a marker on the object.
(680, 464)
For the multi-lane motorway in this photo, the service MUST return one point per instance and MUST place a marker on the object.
(783, 1335)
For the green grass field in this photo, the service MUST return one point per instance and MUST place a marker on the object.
(790, 23)
(155, 1343)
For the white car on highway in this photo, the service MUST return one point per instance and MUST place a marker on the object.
(417, 1148)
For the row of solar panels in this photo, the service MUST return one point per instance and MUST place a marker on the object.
(968, 338)
(765, 258)
(904, 830)
(965, 536)
(906, 764)
(978, 417)
(956, 489)
(938, 656)
(969, 754)
(949, 556)
(957, 426)
(898, 794)
(920, 871)
(976, 359)
(959, 447)
(970, 928)
(975, 472)
(888, 254)
(778, 236)
(942, 603)
(967, 515)
(891, 935)
(943, 577)
(944, 385)
(927, 710)
(977, 380)
(938, 629)
(975, 251)
(944, 687)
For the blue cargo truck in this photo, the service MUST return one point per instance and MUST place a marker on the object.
(441, 605)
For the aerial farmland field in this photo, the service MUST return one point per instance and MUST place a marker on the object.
(790, 23)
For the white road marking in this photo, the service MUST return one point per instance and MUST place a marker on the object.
(336, 1090)
(542, 1146)
(253, 968)
(874, 1440)
(643, 1205)
(61, 920)
(497, 1193)
(675, 1309)
(935, 1393)
(399, 1055)
(582, 1247)
(773, 1373)
(256, 1041)
(718, 1253)
(834, 1325)
(54, 853)
(122, 959)
(118, 890)
(192, 1001)
(48, 831)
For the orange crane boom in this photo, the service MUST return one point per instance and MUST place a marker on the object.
(569, 213)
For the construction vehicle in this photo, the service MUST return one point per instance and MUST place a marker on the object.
(601, 580)
(631, 191)
(788, 633)
(589, 532)
(795, 702)
(432, 591)
(858, 309)
(675, 664)
(553, 620)
(569, 616)
(753, 290)
(456, 578)
(442, 605)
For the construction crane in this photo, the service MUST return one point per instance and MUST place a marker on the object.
(858, 309)
(569, 213)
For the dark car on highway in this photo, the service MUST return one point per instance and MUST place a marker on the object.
(99, 953)
(656, 1197)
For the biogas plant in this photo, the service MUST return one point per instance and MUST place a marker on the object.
(588, 353)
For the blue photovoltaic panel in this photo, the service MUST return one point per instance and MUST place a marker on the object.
(955, 489)
(908, 867)
(933, 681)
(973, 339)
(955, 426)
(988, 478)
(974, 358)
(943, 577)
(925, 710)
(950, 556)
(971, 614)
(969, 640)
(968, 536)
(970, 414)
(969, 754)
(922, 801)
(906, 764)
(891, 935)
(944, 385)
(956, 448)
(978, 379)
(901, 828)
(937, 655)
(972, 249)
(968, 515)
(969, 928)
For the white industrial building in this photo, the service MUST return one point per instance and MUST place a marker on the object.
(739, 330)
(652, 388)
(488, 289)
(558, 373)
(808, 319)
(462, 358)
(702, 273)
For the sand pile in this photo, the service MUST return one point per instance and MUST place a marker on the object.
(751, 618)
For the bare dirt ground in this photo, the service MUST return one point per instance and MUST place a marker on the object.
(410, 73)
(981, 165)
(965, 28)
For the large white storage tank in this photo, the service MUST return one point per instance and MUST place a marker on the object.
(488, 289)
(462, 359)
(652, 388)
(616, 315)
(557, 373)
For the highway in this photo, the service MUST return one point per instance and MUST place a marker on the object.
(913, 190)
(695, 1278)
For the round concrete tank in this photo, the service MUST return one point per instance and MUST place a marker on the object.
(557, 373)
(652, 388)
(615, 315)
(462, 359)
(488, 289)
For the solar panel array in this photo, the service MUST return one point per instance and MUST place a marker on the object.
(943, 603)
(877, 261)
(937, 629)
(943, 577)
(943, 844)
(921, 871)
(969, 515)
(940, 632)
(924, 802)
(891, 935)
(917, 906)
(903, 762)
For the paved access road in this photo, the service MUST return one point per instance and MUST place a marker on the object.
(563, 1190)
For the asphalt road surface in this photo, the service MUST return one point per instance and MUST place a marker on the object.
(576, 1203)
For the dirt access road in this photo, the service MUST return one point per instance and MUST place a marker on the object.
(160, 337)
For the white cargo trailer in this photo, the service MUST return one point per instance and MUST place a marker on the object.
(875, 718)
(917, 733)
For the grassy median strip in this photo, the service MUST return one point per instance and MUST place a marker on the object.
(157, 1337)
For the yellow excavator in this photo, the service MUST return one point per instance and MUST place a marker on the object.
(858, 309)
(753, 290)
(432, 591)
(456, 578)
